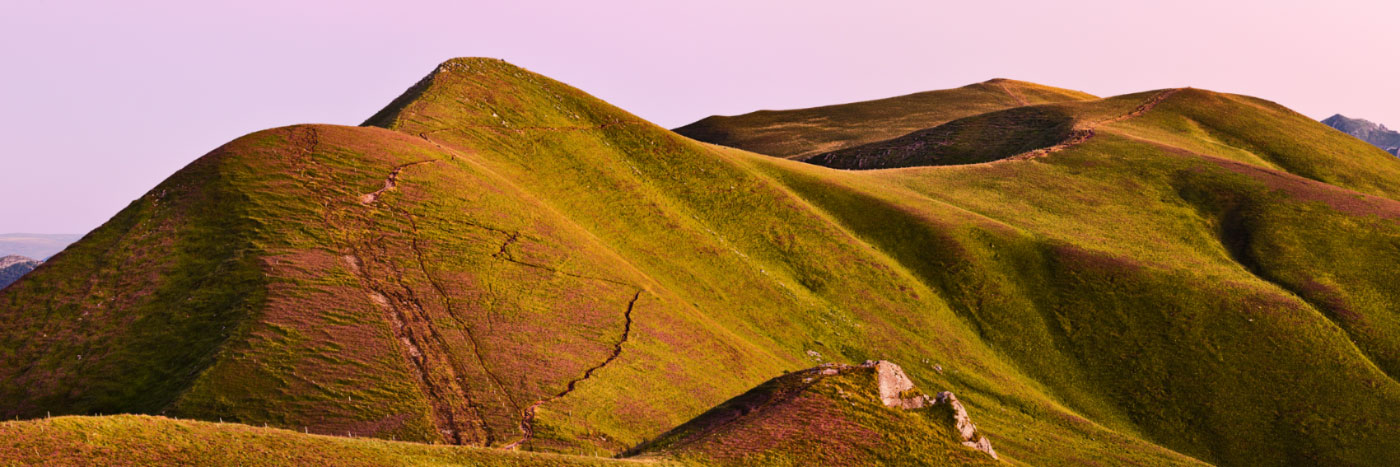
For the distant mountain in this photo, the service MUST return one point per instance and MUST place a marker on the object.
(1368, 131)
(14, 266)
(40, 246)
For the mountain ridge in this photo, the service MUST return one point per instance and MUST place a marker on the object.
(1367, 131)
(13, 267)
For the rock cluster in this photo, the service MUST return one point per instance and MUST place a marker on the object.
(963, 424)
(897, 390)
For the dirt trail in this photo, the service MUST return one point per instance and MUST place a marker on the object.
(527, 414)
(437, 380)
(527, 420)
(391, 182)
(466, 329)
(1014, 95)
(1085, 131)
(440, 381)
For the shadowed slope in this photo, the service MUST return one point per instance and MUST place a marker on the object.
(804, 132)
(1020, 133)
(982, 138)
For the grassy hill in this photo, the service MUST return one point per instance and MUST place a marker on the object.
(827, 415)
(802, 133)
(498, 259)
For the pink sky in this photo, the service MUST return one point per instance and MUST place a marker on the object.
(104, 99)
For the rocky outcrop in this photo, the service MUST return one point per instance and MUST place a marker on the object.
(14, 266)
(895, 386)
(1370, 132)
(962, 423)
(897, 390)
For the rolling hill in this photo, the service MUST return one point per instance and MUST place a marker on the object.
(498, 259)
(804, 132)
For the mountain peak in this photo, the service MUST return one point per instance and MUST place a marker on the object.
(482, 66)
(492, 95)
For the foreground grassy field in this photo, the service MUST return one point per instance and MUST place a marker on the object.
(147, 440)
(497, 259)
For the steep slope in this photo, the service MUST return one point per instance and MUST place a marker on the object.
(804, 132)
(1011, 285)
(14, 266)
(1373, 133)
(503, 260)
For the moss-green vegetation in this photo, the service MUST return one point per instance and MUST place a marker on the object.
(506, 259)
(807, 418)
(146, 440)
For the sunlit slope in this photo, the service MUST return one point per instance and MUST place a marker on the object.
(1282, 285)
(536, 269)
(507, 261)
(442, 309)
(739, 247)
(803, 132)
(1121, 293)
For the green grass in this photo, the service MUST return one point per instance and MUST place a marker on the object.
(146, 440)
(1164, 292)
(806, 418)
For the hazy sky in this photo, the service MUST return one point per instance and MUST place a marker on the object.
(102, 100)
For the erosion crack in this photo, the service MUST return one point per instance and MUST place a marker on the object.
(509, 240)
(527, 420)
